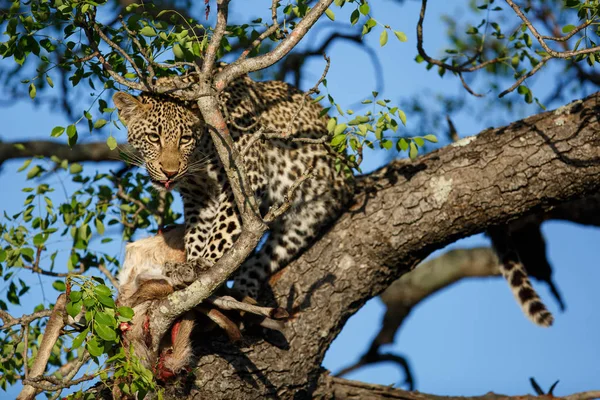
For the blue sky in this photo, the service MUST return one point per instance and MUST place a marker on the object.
(467, 340)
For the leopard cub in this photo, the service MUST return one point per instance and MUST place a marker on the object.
(178, 152)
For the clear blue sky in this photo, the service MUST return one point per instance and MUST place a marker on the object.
(467, 340)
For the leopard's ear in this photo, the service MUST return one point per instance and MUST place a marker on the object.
(128, 106)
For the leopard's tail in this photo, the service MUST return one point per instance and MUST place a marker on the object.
(515, 274)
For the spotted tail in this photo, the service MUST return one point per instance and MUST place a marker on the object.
(515, 274)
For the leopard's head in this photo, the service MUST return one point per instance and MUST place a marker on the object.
(164, 131)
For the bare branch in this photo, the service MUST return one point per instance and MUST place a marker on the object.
(244, 66)
(542, 39)
(79, 153)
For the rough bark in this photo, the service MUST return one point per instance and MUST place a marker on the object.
(403, 213)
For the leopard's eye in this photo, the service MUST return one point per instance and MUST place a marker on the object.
(153, 137)
(185, 139)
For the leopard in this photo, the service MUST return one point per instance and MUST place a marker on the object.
(178, 152)
(176, 146)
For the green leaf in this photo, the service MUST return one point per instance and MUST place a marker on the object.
(413, 152)
(94, 347)
(107, 301)
(111, 142)
(431, 138)
(419, 141)
(78, 341)
(364, 8)
(75, 168)
(125, 312)
(59, 285)
(99, 226)
(32, 90)
(71, 130)
(401, 36)
(386, 144)
(178, 51)
(331, 124)
(74, 308)
(402, 117)
(402, 144)
(330, 14)
(100, 123)
(337, 140)
(339, 129)
(148, 31)
(27, 253)
(35, 171)
(568, 28)
(25, 165)
(75, 295)
(383, 38)
(102, 290)
(57, 131)
(354, 17)
(103, 318)
(105, 332)
(39, 240)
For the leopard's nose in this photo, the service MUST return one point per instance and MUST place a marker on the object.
(169, 174)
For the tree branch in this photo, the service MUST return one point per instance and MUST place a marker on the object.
(339, 389)
(246, 65)
(98, 151)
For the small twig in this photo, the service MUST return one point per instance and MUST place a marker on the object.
(10, 355)
(52, 384)
(439, 63)
(241, 67)
(275, 213)
(467, 87)
(118, 49)
(133, 36)
(312, 90)
(141, 205)
(541, 39)
(268, 32)
(10, 321)
(107, 67)
(535, 69)
(109, 275)
(287, 133)
(42, 271)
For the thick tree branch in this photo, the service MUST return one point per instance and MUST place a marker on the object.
(406, 211)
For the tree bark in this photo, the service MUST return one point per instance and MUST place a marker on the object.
(402, 213)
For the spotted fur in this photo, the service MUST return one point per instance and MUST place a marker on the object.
(515, 274)
(177, 149)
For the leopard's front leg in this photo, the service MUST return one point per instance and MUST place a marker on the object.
(200, 211)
